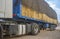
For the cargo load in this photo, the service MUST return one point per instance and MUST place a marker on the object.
(40, 7)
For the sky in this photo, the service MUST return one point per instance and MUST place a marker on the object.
(55, 4)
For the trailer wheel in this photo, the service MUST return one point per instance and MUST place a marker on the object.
(35, 29)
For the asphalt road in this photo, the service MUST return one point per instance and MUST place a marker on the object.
(41, 35)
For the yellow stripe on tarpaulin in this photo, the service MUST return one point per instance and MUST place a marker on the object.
(49, 19)
(31, 13)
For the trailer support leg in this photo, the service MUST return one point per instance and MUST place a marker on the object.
(1, 32)
(10, 34)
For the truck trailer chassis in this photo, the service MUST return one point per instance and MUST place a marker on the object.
(24, 26)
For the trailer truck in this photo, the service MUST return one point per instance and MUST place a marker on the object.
(20, 17)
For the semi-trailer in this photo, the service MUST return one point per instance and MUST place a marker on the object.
(20, 17)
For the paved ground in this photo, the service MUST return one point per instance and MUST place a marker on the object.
(42, 35)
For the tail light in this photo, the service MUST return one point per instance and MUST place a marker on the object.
(14, 14)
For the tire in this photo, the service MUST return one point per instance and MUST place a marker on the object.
(35, 29)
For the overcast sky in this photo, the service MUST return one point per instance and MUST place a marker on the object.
(55, 4)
